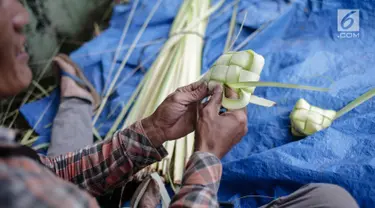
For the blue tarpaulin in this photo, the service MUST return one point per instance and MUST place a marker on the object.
(301, 44)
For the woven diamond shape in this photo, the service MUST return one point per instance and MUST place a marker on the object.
(307, 119)
(234, 67)
(240, 67)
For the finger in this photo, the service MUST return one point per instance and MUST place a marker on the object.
(201, 106)
(192, 93)
(214, 103)
(230, 93)
(193, 112)
(191, 87)
(197, 107)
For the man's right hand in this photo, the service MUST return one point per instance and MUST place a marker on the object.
(216, 133)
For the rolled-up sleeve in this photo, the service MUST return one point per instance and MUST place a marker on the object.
(200, 182)
(108, 164)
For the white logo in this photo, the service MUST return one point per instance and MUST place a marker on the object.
(348, 23)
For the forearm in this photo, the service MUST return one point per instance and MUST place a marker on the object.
(200, 182)
(108, 164)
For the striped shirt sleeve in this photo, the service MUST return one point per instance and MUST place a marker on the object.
(108, 164)
(200, 183)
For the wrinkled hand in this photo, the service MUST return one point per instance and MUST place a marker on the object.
(218, 133)
(176, 115)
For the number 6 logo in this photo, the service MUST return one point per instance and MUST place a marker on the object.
(348, 20)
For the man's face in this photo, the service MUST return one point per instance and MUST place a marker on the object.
(15, 75)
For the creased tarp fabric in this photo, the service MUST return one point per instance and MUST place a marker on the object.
(300, 44)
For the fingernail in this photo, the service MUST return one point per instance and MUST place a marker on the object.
(218, 89)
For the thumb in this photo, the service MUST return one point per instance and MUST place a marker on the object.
(193, 93)
(214, 103)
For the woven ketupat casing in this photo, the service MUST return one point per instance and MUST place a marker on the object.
(307, 119)
(235, 67)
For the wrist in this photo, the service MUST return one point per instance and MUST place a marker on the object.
(153, 132)
(203, 147)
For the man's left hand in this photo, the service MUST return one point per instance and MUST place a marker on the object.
(176, 115)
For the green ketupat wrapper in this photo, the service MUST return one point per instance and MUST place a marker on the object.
(307, 119)
(234, 67)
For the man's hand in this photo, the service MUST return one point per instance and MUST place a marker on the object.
(176, 116)
(216, 133)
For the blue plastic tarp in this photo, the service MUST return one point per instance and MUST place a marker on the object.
(301, 44)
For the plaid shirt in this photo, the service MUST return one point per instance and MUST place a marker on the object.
(98, 169)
